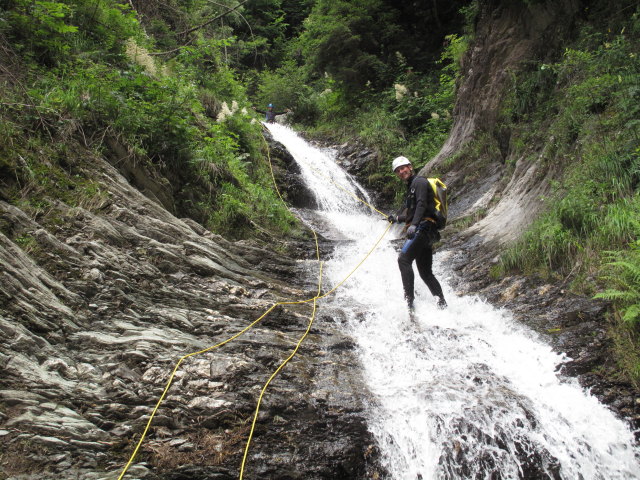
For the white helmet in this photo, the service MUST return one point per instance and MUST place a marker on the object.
(399, 162)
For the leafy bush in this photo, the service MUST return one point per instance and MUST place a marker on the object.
(105, 87)
(626, 282)
(48, 31)
(39, 28)
(286, 87)
(344, 40)
(624, 292)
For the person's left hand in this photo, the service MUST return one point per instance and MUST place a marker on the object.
(411, 232)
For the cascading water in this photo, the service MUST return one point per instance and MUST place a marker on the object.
(460, 393)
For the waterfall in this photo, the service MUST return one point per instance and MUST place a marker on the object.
(462, 393)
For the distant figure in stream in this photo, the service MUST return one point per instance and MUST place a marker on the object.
(270, 114)
(419, 215)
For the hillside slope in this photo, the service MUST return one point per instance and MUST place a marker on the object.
(508, 152)
(508, 36)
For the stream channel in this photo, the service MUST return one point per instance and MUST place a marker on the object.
(462, 393)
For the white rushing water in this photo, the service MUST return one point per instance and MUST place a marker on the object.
(460, 393)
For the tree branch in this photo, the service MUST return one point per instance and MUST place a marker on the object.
(212, 19)
(255, 50)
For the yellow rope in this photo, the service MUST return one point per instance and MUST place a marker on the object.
(314, 300)
(281, 366)
(175, 369)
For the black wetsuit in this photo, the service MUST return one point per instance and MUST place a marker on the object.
(420, 206)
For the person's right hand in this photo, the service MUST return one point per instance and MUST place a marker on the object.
(392, 219)
(411, 232)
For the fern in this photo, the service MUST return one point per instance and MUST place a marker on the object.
(626, 295)
(630, 269)
(632, 314)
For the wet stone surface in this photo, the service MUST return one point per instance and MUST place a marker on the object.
(96, 316)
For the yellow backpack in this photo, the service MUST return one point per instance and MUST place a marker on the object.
(440, 197)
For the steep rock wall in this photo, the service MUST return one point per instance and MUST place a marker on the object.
(508, 35)
(506, 191)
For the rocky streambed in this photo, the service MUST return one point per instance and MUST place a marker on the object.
(572, 324)
(97, 308)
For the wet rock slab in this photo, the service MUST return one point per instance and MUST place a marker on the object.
(95, 318)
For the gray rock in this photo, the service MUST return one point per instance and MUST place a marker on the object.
(94, 325)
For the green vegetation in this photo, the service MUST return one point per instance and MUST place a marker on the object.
(622, 275)
(375, 71)
(168, 86)
(410, 116)
(585, 110)
(626, 279)
(590, 113)
(85, 72)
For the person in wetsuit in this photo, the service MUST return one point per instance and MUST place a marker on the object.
(419, 214)
(270, 114)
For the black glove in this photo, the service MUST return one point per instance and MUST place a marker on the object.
(411, 231)
(392, 219)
